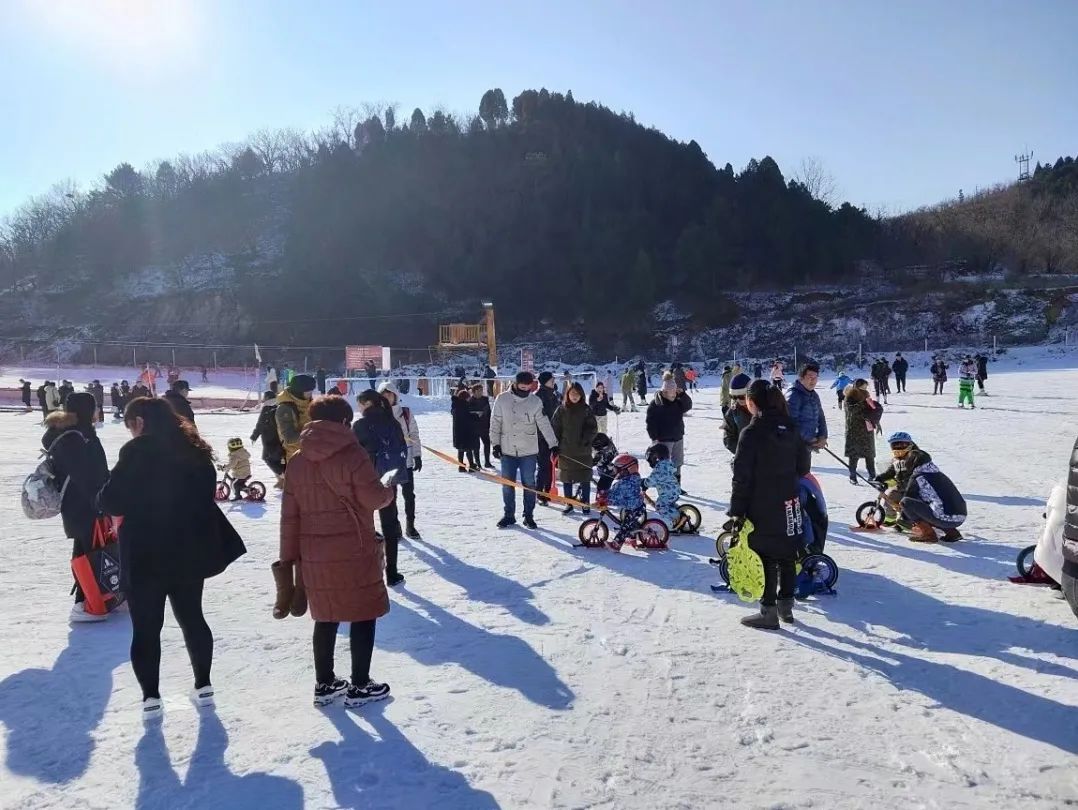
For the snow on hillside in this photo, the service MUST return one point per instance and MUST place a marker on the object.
(528, 673)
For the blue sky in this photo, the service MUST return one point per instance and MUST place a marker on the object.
(903, 103)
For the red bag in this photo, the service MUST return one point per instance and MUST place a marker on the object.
(98, 570)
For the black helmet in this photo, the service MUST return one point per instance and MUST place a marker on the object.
(600, 441)
(656, 453)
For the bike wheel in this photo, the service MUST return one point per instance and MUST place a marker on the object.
(593, 533)
(222, 492)
(692, 516)
(724, 571)
(655, 533)
(822, 568)
(723, 543)
(870, 509)
(1025, 561)
(256, 491)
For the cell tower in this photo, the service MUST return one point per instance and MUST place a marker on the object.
(1023, 165)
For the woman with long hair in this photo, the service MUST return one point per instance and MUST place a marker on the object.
(327, 528)
(575, 428)
(172, 539)
(771, 457)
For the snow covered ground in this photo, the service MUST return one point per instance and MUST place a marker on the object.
(529, 673)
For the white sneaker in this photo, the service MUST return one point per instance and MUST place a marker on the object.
(151, 709)
(79, 614)
(203, 696)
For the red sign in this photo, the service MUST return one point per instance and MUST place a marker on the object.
(356, 357)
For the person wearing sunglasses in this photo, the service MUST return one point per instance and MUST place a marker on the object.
(921, 499)
(737, 417)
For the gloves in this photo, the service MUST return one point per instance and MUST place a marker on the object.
(734, 525)
(496, 451)
(417, 465)
(879, 486)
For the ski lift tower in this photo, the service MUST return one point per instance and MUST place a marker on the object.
(457, 336)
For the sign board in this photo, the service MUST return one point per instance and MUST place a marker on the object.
(355, 357)
(527, 360)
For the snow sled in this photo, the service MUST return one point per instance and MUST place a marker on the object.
(256, 490)
(638, 530)
(98, 570)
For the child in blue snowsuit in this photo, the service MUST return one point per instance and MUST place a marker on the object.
(627, 496)
(841, 384)
(664, 479)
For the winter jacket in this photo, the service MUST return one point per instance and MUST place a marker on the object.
(860, 432)
(515, 424)
(735, 421)
(465, 424)
(777, 372)
(550, 399)
(929, 485)
(901, 469)
(575, 428)
(327, 525)
(664, 479)
(628, 382)
(771, 458)
(626, 493)
(41, 399)
(410, 428)
(292, 415)
(52, 398)
(79, 459)
(841, 382)
(172, 529)
(600, 405)
(968, 370)
(99, 395)
(900, 366)
(724, 392)
(1070, 524)
(64, 391)
(380, 434)
(239, 463)
(180, 405)
(982, 367)
(807, 412)
(266, 430)
(939, 371)
(665, 418)
(116, 399)
(26, 394)
(480, 406)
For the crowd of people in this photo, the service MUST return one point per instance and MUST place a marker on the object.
(338, 468)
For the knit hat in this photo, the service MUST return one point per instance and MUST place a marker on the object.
(389, 386)
(739, 385)
(545, 376)
(669, 386)
(301, 384)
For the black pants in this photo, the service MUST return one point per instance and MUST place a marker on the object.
(980, 384)
(900, 382)
(239, 487)
(937, 386)
(275, 461)
(361, 641)
(484, 439)
(77, 547)
(146, 601)
(472, 454)
(408, 491)
(780, 579)
(391, 531)
(841, 398)
(878, 386)
(870, 465)
(544, 475)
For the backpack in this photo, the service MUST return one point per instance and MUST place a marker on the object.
(267, 427)
(391, 451)
(42, 496)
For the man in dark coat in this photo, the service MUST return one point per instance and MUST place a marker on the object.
(65, 390)
(26, 394)
(41, 400)
(266, 430)
(177, 398)
(901, 366)
(320, 380)
(548, 395)
(665, 421)
(982, 371)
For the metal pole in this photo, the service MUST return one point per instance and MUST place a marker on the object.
(215, 362)
(174, 357)
(134, 362)
(795, 360)
(860, 362)
(993, 343)
(95, 356)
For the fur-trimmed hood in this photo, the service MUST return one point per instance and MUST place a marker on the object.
(61, 420)
(855, 394)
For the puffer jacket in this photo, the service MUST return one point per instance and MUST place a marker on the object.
(180, 404)
(664, 480)
(516, 422)
(1070, 524)
(410, 428)
(52, 398)
(293, 414)
(575, 427)
(601, 405)
(79, 459)
(929, 484)
(735, 421)
(968, 370)
(628, 382)
(665, 419)
(860, 434)
(239, 463)
(807, 412)
(327, 525)
(771, 458)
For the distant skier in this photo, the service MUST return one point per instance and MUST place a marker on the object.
(840, 383)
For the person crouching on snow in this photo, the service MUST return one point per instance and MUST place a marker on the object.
(664, 479)
(922, 497)
(238, 466)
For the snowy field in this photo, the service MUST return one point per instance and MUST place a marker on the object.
(527, 673)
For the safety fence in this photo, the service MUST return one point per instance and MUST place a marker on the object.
(436, 387)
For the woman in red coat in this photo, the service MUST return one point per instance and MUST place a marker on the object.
(331, 493)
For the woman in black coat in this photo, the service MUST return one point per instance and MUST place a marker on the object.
(79, 460)
(771, 458)
(465, 430)
(479, 404)
(173, 538)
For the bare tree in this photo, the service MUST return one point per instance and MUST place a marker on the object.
(819, 182)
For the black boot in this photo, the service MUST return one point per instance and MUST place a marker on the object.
(786, 610)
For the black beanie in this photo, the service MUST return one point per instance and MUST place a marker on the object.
(302, 384)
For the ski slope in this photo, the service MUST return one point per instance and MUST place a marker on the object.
(527, 673)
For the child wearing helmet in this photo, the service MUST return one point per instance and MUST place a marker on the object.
(922, 495)
(603, 454)
(664, 479)
(627, 495)
(238, 466)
